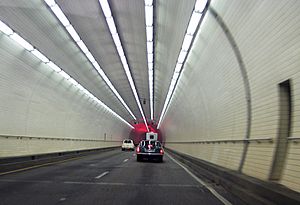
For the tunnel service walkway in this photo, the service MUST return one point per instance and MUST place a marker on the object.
(112, 177)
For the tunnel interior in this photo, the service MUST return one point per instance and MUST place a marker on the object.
(218, 81)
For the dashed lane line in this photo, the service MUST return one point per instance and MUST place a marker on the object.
(130, 184)
(102, 175)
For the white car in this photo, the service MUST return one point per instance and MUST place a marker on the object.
(127, 145)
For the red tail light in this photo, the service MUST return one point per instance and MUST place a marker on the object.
(161, 151)
(138, 149)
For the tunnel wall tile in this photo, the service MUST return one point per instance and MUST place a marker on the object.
(13, 146)
(209, 101)
(35, 101)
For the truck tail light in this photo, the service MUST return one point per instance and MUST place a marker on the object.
(161, 151)
(138, 149)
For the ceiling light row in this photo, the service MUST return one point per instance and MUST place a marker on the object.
(26, 45)
(149, 35)
(113, 30)
(187, 42)
(65, 22)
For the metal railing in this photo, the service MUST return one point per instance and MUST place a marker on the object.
(55, 138)
(258, 140)
(294, 139)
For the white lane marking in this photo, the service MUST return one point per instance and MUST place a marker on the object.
(102, 175)
(125, 160)
(93, 183)
(62, 199)
(138, 185)
(214, 192)
(25, 181)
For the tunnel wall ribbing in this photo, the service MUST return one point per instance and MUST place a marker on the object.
(40, 112)
(210, 102)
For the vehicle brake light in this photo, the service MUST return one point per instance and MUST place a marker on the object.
(138, 149)
(161, 151)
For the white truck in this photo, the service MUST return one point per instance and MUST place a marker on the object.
(151, 136)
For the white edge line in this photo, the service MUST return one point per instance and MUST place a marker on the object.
(102, 175)
(214, 192)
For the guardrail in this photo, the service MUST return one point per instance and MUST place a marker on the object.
(294, 139)
(55, 138)
(258, 140)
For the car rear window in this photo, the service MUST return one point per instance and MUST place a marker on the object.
(152, 142)
(128, 141)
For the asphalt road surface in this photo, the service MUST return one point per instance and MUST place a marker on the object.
(112, 177)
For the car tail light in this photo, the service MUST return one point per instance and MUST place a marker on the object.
(161, 151)
(138, 149)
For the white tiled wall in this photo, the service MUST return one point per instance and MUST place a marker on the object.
(13, 146)
(209, 102)
(37, 102)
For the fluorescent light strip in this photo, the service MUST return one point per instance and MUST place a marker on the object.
(63, 19)
(21, 41)
(113, 30)
(14, 36)
(5, 29)
(192, 26)
(40, 56)
(150, 56)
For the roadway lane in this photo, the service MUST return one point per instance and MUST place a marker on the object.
(112, 177)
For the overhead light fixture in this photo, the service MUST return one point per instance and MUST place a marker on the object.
(50, 2)
(185, 48)
(90, 57)
(187, 42)
(21, 41)
(200, 5)
(83, 47)
(74, 82)
(149, 33)
(96, 66)
(5, 29)
(193, 24)
(26, 45)
(120, 51)
(178, 68)
(175, 76)
(150, 47)
(80, 87)
(149, 15)
(60, 15)
(148, 2)
(40, 56)
(73, 33)
(111, 25)
(150, 56)
(54, 67)
(117, 40)
(113, 30)
(182, 56)
(150, 66)
(64, 74)
(105, 8)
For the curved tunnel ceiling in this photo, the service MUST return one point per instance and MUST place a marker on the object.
(35, 22)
